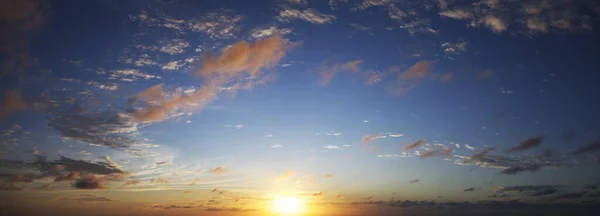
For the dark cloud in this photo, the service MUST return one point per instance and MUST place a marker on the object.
(106, 128)
(575, 195)
(71, 165)
(591, 187)
(414, 181)
(543, 192)
(9, 187)
(12, 101)
(592, 147)
(92, 182)
(479, 156)
(528, 143)
(469, 190)
(518, 169)
(71, 177)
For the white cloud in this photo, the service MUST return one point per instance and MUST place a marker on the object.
(455, 48)
(217, 25)
(106, 86)
(308, 15)
(365, 121)
(276, 146)
(268, 136)
(286, 65)
(395, 135)
(332, 147)
(144, 60)
(457, 145)
(334, 134)
(130, 75)
(258, 33)
(188, 121)
(469, 147)
(238, 126)
(360, 27)
(175, 46)
(173, 65)
(391, 156)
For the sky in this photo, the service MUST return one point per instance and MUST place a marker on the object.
(367, 107)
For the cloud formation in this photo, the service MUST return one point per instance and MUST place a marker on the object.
(328, 72)
(12, 101)
(528, 143)
(409, 79)
(592, 147)
(309, 15)
(413, 145)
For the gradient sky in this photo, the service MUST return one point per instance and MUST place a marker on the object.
(368, 107)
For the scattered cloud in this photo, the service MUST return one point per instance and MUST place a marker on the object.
(308, 15)
(409, 79)
(360, 27)
(414, 181)
(455, 48)
(518, 169)
(219, 170)
(446, 78)
(391, 156)
(173, 65)
(71, 177)
(469, 147)
(328, 72)
(130, 75)
(479, 156)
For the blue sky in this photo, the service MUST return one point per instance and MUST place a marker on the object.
(308, 96)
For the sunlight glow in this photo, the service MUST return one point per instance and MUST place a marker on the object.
(287, 205)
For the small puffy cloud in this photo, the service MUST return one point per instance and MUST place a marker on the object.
(457, 145)
(105, 86)
(173, 47)
(130, 75)
(259, 33)
(328, 72)
(276, 146)
(455, 48)
(219, 170)
(413, 145)
(485, 74)
(469, 147)
(496, 24)
(414, 181)
(12, 101)
(308, 15)
(528, 143)
(217, 25)
(331, 147)
(592, 147)
(173, 65)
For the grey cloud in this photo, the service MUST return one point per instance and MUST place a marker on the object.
(543, 192)
(575, 195)
(592, 147)
(519, 169)
(528, 143)
(528, 188)
(92, 182)
(414, 181)
(469, 190)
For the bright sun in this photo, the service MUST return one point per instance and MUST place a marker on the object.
(287, 205)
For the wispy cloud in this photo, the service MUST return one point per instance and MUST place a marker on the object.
(259, 33)
(413, 145)
(331, 147)
(592, 147)
(276, 146)
(409, 79)
(528, 143)
(308, 15)
(329, 71)
(414, 181)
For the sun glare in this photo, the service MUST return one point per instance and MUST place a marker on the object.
(287, 205)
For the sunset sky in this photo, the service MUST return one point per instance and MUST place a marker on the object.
(341, 107)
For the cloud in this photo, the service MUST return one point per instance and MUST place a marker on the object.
(328, 176)
(528, 188)
(92, 182)
(446, 78)
(285, 176)
(576, 195)
(219, 170)
(428, 153)
(9, 187)
(413, 145)
(106, 128)
(392, 156)
(469, 147)
(369, 138)
(544, 192)
(529, 17)
(414, 181)
(407, 80)
(71, 177)
(328, 72)
(91, 198)
(592, 147)
(172, 65)
(298, 2)
(131, 182)
(528, 143)
(479, 156)
(486, 74)
(217, 25)
(174, 46)
(12, 101)
(455, 48)
(395, 135)
(259, 33)
(469, 190)
(308, 15)
(276, 146)
(518, 169)
(331, 147)
(130, 75)
(20, 20)
(360, 27)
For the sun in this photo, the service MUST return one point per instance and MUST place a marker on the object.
(287, 205)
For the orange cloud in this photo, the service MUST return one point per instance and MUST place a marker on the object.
(12, 101)
(236, 63)
(328, 176)
(480, 155)
(407, 80)
(286, 175)
(327, 73)
(447, 77)
(413, 145)
(219, 170)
